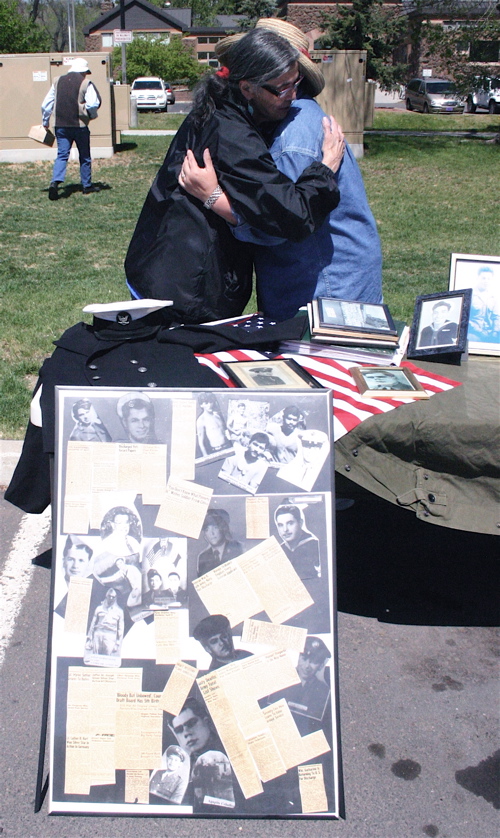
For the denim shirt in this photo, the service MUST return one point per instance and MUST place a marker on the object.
(343, 258)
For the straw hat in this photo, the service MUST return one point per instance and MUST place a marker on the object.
(294, 36)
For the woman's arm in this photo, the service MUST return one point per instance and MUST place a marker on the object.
(202, 181)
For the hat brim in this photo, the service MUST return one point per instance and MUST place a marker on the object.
(308, 68)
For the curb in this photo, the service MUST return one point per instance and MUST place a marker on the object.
(10, 451)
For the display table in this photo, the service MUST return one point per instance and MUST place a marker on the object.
(441, 457)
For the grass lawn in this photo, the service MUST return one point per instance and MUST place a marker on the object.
(431, 196)
(387, 119)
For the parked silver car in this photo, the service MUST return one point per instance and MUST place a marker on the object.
(433, 96)
(170, 93)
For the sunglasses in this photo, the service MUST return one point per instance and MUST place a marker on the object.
(284, 90)
(187, 726)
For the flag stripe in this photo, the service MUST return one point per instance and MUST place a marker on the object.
(349, 408)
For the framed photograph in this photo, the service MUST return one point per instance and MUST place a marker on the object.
(482, 275)
(284, 374)
(440, 323)
(387, 383)
(191, 575)
(349, 314)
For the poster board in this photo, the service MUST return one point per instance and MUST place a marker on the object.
(194, 651)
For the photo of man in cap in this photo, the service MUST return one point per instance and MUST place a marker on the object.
(441, 331)
(137, 416)
(266, 377)
(310, 697)
(171, 782)
(214, 634)
(75, 100)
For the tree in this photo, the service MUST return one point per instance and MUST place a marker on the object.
(368, 25)
(52, 18)
(149, 56)
(253, 10)
(17, 32)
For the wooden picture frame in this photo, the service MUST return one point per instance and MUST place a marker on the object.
(482, 275)
(440, 323)
(387, 383)
(280, 374)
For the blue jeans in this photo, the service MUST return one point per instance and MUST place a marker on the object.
(65, 139)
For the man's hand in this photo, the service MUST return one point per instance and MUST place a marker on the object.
(333, 143)
(197, 181)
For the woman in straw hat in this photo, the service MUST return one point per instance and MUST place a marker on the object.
(343, 257)
(183, 251)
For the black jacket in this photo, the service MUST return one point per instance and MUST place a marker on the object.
(145, 353)
(182, 252)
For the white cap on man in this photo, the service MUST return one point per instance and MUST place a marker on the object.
(79, 65)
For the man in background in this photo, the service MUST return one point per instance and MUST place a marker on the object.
(75, 100)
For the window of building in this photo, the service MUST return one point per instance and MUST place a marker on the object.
(484, 51)
(203, 40)
(107, 40)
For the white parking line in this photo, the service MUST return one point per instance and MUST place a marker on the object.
(18, 570)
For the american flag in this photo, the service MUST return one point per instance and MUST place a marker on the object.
(349, 408)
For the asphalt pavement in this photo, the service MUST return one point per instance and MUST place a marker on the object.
(418, 657)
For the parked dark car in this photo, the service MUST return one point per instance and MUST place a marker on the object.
(433, 96)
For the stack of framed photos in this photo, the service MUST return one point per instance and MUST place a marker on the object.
(194, 662)
(346, 322)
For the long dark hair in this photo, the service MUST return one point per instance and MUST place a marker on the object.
(258, 56)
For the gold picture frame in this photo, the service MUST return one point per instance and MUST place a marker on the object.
(387, 383)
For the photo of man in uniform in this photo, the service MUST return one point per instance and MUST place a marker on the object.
(171, 782)
(176, 595)
(266, 376)
(105, 633)
(310, 697)
(221, 545)
(484, 318)
(441, 331)
(300, 545)
(138, 419)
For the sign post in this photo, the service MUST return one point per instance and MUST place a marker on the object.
(122, 37)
